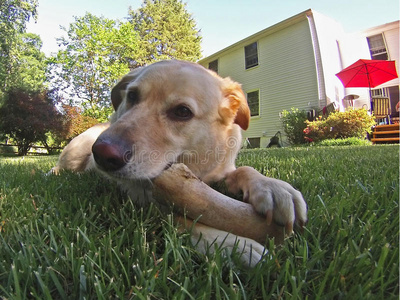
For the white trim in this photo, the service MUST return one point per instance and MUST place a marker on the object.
(318, 61)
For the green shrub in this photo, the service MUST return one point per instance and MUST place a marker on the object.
(340, 125)
(352, 141)
(294, 123)
(9, 150)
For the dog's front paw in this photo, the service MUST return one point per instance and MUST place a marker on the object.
(278, 200)
(274, 198)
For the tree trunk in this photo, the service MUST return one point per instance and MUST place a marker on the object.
(23, 149)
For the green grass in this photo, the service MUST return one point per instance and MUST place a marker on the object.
(76, 237)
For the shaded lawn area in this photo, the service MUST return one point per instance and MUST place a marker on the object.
(76, 236)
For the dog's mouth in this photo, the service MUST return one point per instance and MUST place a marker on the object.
(169, 165)
(125, 175)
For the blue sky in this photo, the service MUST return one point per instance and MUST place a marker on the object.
(222, 22)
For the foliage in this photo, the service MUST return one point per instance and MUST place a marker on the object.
(97, 51)
(8, 150)
(95, 54)
(14, 14)
(28, 71)
(73, 124)
(166, 31)
(76, 122)
(75, 236)
(294, 123)
(351, 141)
(26, 117)
(340, 125)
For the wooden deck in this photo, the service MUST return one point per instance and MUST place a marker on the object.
(386, 134)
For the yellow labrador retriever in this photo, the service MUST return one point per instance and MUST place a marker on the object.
(179, 112)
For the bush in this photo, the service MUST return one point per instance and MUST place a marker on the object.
(352, 141)
(340, 125)
(294, 123)
(8, 150)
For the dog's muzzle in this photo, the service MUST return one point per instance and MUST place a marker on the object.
(111, 156)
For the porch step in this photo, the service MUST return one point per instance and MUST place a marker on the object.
(379, 140)
(387, 127)
(386, 134)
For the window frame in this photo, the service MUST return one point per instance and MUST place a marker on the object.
(254, 142)
(378, 52)
(252, 113)
(249, 57)
(217, 65)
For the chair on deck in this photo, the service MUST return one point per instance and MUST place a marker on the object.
(381, 109)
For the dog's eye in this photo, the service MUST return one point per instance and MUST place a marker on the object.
(133, 96)
(180, 113)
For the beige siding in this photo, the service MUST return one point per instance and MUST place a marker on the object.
(391, 34)
(285, 76)
(392, 42)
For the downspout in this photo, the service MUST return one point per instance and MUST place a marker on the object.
(318, 60)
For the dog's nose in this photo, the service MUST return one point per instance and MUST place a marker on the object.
(110, 157)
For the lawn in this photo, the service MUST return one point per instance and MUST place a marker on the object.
(77, 237)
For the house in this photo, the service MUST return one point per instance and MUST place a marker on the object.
(293, 64)
(383, 43)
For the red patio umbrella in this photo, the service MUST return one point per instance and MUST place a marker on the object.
(368, 73)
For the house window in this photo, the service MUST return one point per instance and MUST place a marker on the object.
(213, 65)
(253, 99)
(254, 142)
(377, 47)
(251, 55)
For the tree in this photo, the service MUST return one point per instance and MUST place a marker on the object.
(14, 14)
(166, 31)
(28, 71)
(75, 123)
(96, 53)
(26, 117)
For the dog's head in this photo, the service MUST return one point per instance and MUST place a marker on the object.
(168, 112)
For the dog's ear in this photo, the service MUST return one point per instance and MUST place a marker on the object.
(118, 91)
(234, 105)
